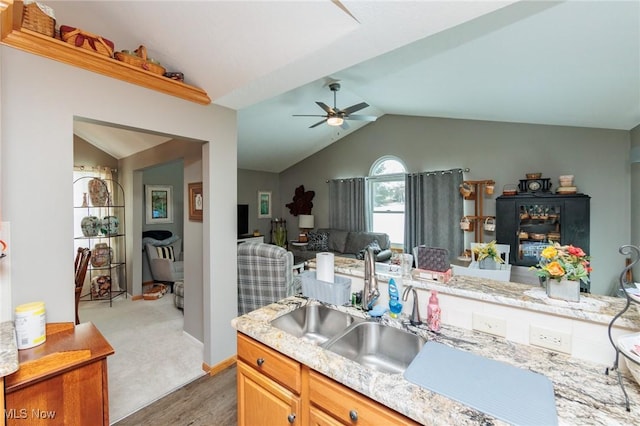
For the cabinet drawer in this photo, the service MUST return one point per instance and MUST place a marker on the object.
(269, 362)
(346, 405)
(262, 401)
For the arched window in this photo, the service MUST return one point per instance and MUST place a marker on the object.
(386, 196)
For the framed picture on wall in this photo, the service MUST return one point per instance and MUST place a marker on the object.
(264, 204)
(196, 201)
(159, 203)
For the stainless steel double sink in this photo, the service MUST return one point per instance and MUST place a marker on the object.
(369, 343)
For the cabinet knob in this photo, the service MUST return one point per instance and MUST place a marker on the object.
(260, 361)
(291, 418)
(353, 415)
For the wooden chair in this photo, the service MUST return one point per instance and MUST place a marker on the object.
(82, 262)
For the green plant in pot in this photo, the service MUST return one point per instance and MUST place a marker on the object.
(487, 255)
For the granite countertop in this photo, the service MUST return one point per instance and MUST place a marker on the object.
(8, 349)
(591, 307)
(584, 393)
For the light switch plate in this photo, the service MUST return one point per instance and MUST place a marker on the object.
(489, 325)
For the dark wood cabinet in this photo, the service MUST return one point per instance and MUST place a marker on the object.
(527, 222)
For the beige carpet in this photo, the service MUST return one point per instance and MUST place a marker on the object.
(153, 356)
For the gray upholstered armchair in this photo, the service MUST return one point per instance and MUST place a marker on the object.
(265, 275)
(165, 259)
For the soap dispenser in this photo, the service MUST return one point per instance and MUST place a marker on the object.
(433, 312)
(395, 306)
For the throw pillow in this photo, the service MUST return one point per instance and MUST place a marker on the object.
(166, 252)
(318, 241)
(374, 245)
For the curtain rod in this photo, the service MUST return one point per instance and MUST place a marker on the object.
(82, 168)
(465, 170)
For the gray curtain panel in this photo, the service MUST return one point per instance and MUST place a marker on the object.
(433, 210)
(347, 208)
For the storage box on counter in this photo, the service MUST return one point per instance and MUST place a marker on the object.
(336, 293)
(425, 274)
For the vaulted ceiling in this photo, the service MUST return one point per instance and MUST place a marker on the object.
(574, 63)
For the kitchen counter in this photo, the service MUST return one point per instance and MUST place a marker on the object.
(584, 393)
(8, 349)
(593, 308)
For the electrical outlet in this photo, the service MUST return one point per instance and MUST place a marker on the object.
(550, 339)
(490, 325)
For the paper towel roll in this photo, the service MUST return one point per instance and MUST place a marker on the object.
(324, 264)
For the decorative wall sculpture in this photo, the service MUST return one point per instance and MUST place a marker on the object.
(301, 203)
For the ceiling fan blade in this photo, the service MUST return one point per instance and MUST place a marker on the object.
(318, 123)
(308, 115)
(362, 117)
(326, 107)
(356, 107)
(345, 125)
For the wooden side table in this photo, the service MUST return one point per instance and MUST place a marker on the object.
(62, 381)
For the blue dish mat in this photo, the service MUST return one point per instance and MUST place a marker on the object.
(508, 393)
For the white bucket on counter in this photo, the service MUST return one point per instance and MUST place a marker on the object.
(30, 325)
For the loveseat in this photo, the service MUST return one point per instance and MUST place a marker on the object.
(342, 243)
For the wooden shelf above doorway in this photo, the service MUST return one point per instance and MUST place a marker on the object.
(29, 41)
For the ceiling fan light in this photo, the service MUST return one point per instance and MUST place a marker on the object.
(335, 121)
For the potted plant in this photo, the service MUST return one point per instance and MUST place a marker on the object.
(487, 255)
(562, 268)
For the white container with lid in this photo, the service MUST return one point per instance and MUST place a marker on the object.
(30, 325)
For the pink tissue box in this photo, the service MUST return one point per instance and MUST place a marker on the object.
(425, 274)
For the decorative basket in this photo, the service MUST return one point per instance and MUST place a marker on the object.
(467, 191)
(138, 58)
(86, 40)
(466, 224)
(490, 224)
(39, 18)
(509, 189)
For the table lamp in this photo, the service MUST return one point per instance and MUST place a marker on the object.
(305, 223)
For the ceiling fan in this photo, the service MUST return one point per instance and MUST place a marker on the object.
(336, 116)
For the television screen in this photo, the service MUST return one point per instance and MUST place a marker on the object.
(243, 219)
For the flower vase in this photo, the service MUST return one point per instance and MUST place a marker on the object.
(110, 225)
(90, 226)
(488, 264)
(98, 192)
(564, 289)
(101, 255)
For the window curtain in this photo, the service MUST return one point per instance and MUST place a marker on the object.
(347, 209)
(433, 211)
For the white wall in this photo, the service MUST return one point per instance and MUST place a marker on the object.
(40, 97)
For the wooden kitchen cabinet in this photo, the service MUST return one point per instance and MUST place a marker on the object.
(262, 401)
(317, 417)
(347, 406)
(61, 382)
(273, 389)
(269, 386)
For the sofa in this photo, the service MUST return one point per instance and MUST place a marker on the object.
(351, 244)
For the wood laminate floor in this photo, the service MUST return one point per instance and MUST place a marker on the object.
(209, 400)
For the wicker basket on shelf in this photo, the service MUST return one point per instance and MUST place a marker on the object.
(39, 18)
(86, 40)
(138, 58)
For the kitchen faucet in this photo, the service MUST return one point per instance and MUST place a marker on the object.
(415, 313)
(370, 293)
